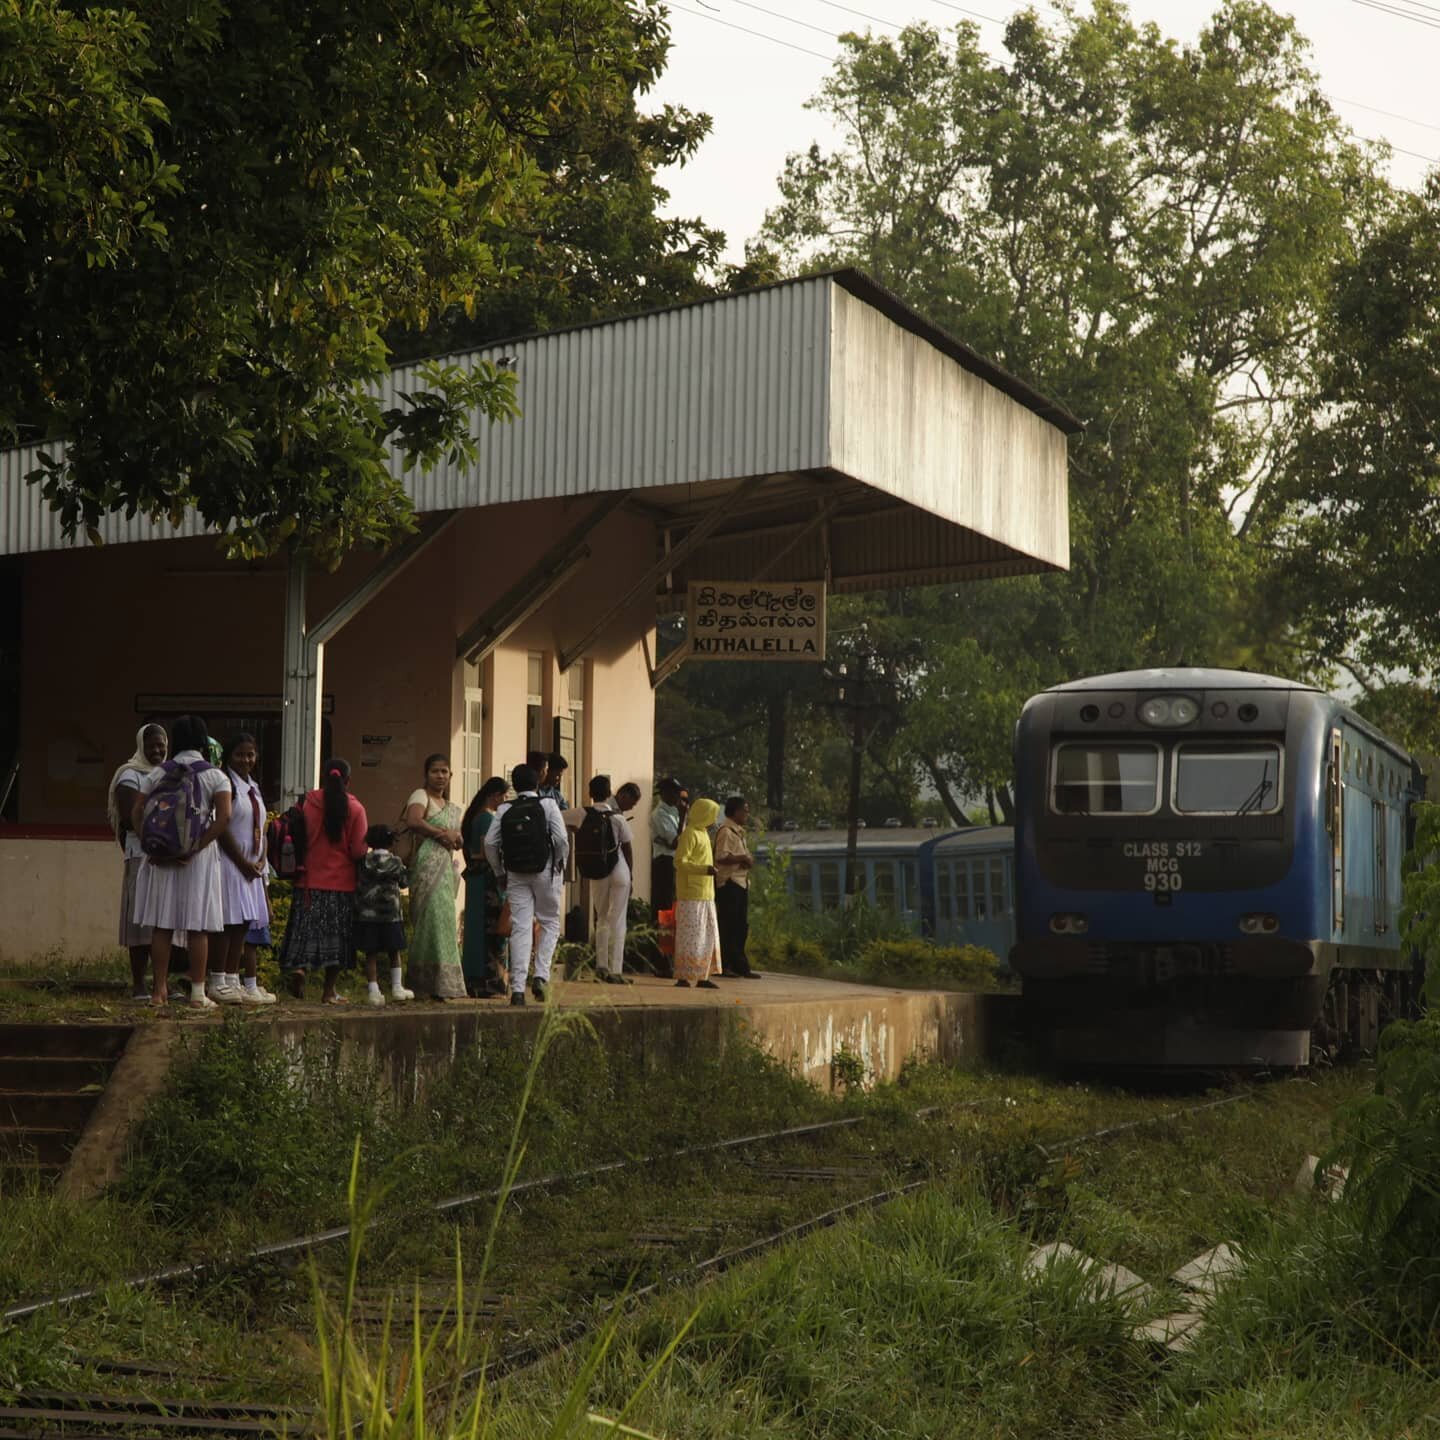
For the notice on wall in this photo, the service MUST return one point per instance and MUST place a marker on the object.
(755, 620)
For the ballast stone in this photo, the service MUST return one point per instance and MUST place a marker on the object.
(1112, 1280)
(1204, 1274)
(1171, 1332)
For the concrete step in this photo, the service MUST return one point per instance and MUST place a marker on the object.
(73, 1042)
(52, 1074)
(44, 1110)
(42, 1148)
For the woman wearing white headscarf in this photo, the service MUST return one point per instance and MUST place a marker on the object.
(151, 747)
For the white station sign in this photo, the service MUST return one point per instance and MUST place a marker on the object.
(755, 620)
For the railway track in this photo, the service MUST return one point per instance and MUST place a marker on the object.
(767, 1172)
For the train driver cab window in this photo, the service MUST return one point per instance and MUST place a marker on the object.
(1106, 780)
(1227, 779)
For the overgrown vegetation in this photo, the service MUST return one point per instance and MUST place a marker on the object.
(1390, 1140)
(264, 1134)
(856, 941)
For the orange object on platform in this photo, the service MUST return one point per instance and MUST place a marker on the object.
(666, 939)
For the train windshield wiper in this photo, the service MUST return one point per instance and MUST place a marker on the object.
(1257, 796)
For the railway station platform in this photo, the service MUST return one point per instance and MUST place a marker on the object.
(803, 1022)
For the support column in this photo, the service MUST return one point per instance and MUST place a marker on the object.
(300, 717)
(305, 653)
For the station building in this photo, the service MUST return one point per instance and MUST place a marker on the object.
(814, 430)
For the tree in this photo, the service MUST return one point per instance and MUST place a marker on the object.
(1145, 231)
(1363, 537)
(199, 309)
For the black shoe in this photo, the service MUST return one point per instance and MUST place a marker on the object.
(682, 984)
(517, 997)
(608, 977)
(539, 990)
(706, 985)
(747, 974)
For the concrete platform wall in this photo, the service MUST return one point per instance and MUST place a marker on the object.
(884, 1028)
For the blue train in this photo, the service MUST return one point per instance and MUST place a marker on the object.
(1208, 869)
(955, 886)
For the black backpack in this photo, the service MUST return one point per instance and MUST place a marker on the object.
(596, 848)
(525, 844)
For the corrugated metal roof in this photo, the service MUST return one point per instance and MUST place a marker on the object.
(795, 378)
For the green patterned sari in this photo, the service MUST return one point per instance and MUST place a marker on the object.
(434, 944)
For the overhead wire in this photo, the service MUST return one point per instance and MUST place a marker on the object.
(706, 14)
(746, 30)
(1389, 9)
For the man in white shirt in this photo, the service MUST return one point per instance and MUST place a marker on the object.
(605, 856)
(527, 847)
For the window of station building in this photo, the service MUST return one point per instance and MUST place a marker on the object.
(1227, 779)
(472, 768)
(579, 677)
(535, 736)
(1106, 779)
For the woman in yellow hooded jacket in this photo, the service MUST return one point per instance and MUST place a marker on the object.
(697, 931)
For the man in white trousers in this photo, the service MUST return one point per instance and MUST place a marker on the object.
(605, 856)
(527, 847)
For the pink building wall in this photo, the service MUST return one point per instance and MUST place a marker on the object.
(101, 627)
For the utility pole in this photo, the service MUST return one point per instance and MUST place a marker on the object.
(854, 877)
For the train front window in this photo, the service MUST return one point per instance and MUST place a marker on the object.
(1227, 779)
(1115, 779)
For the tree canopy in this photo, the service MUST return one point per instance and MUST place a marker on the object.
(1148, 232)
(216, 216)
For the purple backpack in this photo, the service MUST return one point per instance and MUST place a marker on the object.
(177, 812)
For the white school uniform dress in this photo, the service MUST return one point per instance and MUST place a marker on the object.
(243, 896)
(184, 897)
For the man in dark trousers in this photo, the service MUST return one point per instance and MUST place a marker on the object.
(733, 863)
(664, 835)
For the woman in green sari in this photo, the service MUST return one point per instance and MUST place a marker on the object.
(434, 874)
(482, 952)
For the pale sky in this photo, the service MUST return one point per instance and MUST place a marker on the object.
(755, 89)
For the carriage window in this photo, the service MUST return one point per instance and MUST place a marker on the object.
(885, 884)
(1106, 780)
(802, 883)
(831, 883)
(999, 900)
(909, 886)
(1227, 779)
(944, 890)
(962, 890)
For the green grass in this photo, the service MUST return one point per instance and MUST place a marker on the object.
(916, 1320)
(919, 1321)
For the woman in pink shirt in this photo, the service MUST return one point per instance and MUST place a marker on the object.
(322, 912)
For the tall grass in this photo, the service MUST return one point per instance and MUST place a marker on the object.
(430, 1384)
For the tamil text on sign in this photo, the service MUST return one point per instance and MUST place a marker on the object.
(733, 620)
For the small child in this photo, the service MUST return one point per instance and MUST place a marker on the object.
(379, 929)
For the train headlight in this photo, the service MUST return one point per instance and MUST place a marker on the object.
(1069, 924)
(1168, 711)
(1260, 923)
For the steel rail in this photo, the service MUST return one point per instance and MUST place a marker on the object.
(301, 1244)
